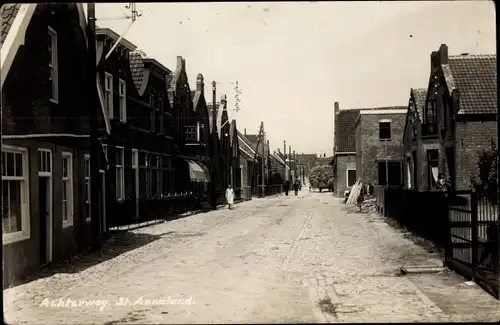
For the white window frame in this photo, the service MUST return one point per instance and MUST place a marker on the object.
(54, 96)
(122, 92)
(25, 231)
(70, 193)
(347, 176)
(41, 154)
(108, 94)
(87, 185)
(120, 174)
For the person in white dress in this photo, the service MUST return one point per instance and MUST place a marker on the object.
(229, 196)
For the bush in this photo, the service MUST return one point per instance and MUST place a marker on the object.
(320, 176)
(485, 181)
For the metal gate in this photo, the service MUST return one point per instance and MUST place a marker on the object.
(473, 245)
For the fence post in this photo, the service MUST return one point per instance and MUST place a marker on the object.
(386, 214)
(474, 231)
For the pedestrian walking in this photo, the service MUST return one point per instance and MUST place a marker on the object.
(229, 196)
(287, 187)
(296, 186)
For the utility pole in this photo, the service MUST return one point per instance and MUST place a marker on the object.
(285, 176)
(95, 211)
(213, 187)
(290, 162)
(263, 159)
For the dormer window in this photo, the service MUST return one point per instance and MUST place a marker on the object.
(152, 112)
(108, 94)
(122, 91)
(53, 68)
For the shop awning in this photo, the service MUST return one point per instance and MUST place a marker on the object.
(198, 172)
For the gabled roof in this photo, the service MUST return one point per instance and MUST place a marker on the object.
(140, 74)
(15, 19)
(419, 95)
(475, 77)
(173, 78)
(345, 130)
(210, 109)
(7, 14)
(246, 146)
(232, 129)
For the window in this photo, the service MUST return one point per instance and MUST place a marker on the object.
(166, 174)
(67, 189)
(120, 174)
(53, 68)
(153, 111)
(156, 175)
(190, 133)
(384, 130)
(87, 188)
(351, 177)
(159, 115)
(44, 161)
(15, 192)
(389, 173)
(432, 168)
(108, 94)
(122, 92)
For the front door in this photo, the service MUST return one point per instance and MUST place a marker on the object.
(135, 167)
(102, 201)
(45, 205)
(44, 212)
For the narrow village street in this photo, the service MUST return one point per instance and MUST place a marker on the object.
(278, 259)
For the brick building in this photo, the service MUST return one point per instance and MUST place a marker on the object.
(344, 158)
(419, 144)
(139, 147)
(191, 135)
(458, 117)
(379, 136)
(45, 86)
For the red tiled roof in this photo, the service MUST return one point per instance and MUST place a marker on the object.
(345, 130)
(475, 77)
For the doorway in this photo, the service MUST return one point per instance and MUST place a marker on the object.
(135, 167)
(102, 201)
(45, 205)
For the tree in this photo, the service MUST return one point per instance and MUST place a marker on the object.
(486, 179)
(319, 176)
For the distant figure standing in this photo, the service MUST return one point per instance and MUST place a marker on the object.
(296, 186)
(229, 196)
(287, 187)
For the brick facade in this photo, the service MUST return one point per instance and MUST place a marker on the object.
(370, 149)
(343, 164)
(452, 118)
(29, 115)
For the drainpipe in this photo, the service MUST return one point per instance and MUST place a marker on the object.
(95, 213)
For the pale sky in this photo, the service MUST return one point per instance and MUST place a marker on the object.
(293, 60)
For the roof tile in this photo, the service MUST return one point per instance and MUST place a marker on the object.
(345, 130)
(8, 13)
(475, 77)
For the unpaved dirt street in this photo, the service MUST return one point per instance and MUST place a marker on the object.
(279, 259)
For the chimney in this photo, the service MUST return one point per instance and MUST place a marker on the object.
(337, 109)
(200, 84)
(434, 60)
(180, 62)
(443, 54)
(245, 131)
